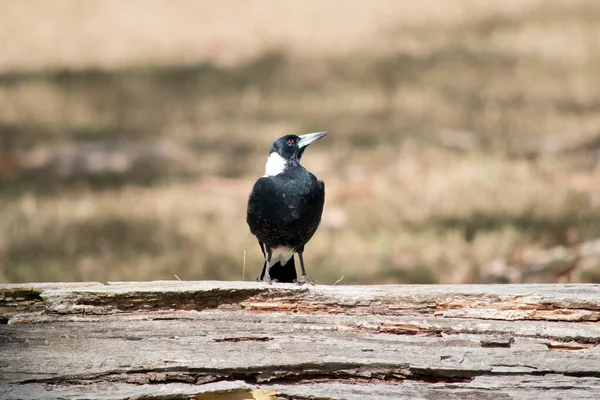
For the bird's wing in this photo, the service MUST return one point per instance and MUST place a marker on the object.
(262, 205)
(322, 184)
(261, 194)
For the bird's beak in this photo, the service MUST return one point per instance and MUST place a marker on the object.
(307, 139)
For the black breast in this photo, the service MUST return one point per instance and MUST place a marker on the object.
(285, 209)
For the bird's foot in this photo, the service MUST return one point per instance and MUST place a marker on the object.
(267, 279)
(304, 280)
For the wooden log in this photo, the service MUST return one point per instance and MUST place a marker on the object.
(246, 340)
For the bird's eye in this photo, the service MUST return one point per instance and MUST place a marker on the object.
(290, 141)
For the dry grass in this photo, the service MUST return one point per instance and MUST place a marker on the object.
(88, 197)
(38, 34)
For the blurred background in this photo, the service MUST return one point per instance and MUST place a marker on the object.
(464, 137)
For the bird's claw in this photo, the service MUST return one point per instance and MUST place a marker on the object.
(267, 280)
(303, 281)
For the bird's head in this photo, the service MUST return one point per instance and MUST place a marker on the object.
(289, 148)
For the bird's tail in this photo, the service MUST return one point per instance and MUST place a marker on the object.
(281, 273)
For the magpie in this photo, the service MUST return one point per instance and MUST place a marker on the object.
(285, 207)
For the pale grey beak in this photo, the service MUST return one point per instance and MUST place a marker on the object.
(307, 139)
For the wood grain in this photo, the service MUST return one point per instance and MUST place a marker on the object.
(167, 340)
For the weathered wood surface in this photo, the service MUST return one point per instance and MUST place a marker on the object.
(177, 340)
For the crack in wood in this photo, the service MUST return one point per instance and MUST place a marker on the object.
(306, 373)
(501, 339)
(111, 302)
(244, 339)
(285, 374)
(20, 297)
(466, 306)
(15, 301)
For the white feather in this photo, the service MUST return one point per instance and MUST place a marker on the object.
(275, 165)
(281, 254)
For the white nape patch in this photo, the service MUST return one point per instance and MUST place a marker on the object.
(281, 254)
(275, 165)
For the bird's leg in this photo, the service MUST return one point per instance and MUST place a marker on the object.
(303, 278)
(268, 254)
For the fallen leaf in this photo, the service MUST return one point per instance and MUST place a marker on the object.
(259, 394)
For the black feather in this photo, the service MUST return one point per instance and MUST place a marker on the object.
(285, 210)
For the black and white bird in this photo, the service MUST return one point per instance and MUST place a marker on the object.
(285, 207)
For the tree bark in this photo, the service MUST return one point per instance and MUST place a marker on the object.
(242, 340)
